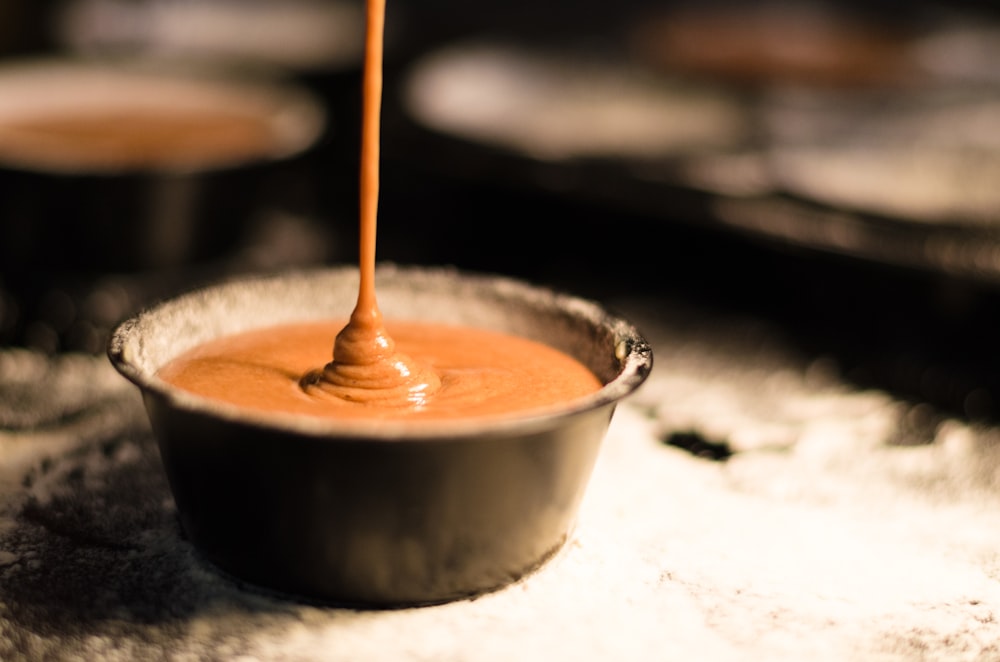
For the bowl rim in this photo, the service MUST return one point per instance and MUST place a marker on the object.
(632, 350)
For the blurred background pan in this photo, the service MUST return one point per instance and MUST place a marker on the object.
(862, 132)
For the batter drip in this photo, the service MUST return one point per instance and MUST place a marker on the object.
(368, 369)
(366, 366)
(445, 372)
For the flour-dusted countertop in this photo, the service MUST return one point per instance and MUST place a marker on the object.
(821, 522)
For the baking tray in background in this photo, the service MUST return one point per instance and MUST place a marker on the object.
(821, 129)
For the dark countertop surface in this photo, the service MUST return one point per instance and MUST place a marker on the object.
(772, 492)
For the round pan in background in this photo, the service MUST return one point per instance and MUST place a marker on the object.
(108, 166)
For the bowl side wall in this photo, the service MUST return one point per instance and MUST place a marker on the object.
(357, 522)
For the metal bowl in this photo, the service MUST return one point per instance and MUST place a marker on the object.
(379, 514)
(112, 166)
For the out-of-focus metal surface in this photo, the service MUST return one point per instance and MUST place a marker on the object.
(301, 35)
(803, 145)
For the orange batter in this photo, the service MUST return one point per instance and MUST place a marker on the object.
(421, 371)
(366, 365)
(138, 138)
(482, 373)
